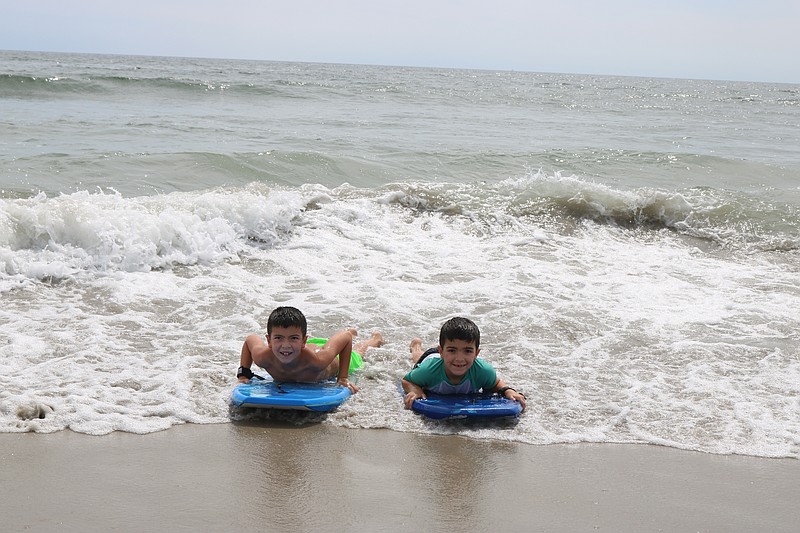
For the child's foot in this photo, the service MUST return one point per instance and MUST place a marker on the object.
(376, 340)
(353, 331)
(416, 345)
(416, 349)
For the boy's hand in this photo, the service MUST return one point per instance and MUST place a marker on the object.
(514, 395)
(413, 395)
(344, 382)
(511, 394)
(413, 392)
(244, 379)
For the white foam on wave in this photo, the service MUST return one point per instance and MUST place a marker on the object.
(615, 335)
(44, 237)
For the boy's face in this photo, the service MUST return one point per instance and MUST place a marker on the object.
(458, 357)
(286, 343)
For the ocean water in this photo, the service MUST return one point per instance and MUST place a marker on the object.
(629, 247)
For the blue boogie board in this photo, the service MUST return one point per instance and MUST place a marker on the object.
(439, 406)
(267, 393)
(270, 394)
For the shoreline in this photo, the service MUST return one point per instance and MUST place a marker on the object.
(262, 476)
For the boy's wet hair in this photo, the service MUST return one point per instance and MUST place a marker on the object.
(287, 317)
(462, 329)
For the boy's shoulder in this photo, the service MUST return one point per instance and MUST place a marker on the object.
(430, 362)
(482, 365)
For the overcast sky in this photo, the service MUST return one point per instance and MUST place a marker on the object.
(710, 39)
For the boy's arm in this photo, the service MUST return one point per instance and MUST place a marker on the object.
(340, 344)
(413, 392)
(246, 359)
(507, 392)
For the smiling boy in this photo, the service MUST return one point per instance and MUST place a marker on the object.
(454, 366)
(287, 357)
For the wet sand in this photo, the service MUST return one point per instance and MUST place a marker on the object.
(270, 477)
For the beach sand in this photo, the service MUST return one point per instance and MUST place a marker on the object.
(268, 476)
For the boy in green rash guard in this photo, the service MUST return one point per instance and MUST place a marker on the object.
(453, 367)
(288, 356)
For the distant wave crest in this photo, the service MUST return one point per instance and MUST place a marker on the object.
(29, 86)
(731, 220)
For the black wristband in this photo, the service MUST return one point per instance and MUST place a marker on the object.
(246, 372)
(502, 391)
